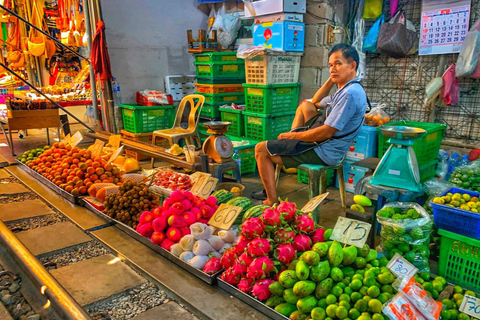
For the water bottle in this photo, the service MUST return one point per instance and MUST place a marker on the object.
(236, 157)
(452, 164)
(465, 160)
(117, 100)
(442, 168)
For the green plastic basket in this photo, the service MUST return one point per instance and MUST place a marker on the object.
(426, 148)
(459, 260)
(271, 99)
(221, 70)
(224, 98)
(428, 171)
(143, 119)
(217, 57)
(236, 128)
(265, 127)
(247, 154)
(302, 176)
(211, 111)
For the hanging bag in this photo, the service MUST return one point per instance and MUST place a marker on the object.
(467, 62)
(394, 39)
(372, 9)
(36, 44)
(370, 43)
(450, 86)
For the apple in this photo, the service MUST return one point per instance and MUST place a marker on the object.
(174, 234)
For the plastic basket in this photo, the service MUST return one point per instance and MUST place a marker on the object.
(302, 176)
(426, 148)
(224, 98)
(211, 111)
(265, 127)
(217, 57)
(236, 128)
(428, 171)
(272, 69)
(247, 155)
(456, 220)
(140, 119)
(459, 260)
(218, 88)
(179, 86)
(221, 70)
(271, 99)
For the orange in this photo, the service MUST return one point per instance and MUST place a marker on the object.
(68, 188)
(96, 164)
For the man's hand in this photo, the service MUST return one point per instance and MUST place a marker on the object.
(287, 135)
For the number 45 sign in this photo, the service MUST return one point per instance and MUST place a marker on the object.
(352, 232)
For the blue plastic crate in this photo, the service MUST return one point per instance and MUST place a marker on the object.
(281, 35)
(456, 220)
(365, 144)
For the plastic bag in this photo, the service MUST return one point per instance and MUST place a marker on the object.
(467, 176)
(450, 86)
(406, 228)
(357, 42)
(400, 308)
(370, 43)
(377, 117)
(436, 187)
(227, 26)
(393, 8)
(372, 9)
(395, 39)
(467, 62)
(419, 297)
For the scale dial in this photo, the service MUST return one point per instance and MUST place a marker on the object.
(223, 146)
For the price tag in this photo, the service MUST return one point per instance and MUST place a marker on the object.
(197, 174)
(97, 148)
(350, 231)
(225, 216)
(314, 203)
(400, 267)
(76, 139)
(204, 186)
(66, 139)
(471, 306)
(114, 140)
(115, 154)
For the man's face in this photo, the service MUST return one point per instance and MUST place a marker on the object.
(341, 69)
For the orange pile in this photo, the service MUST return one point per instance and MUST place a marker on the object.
(376, 120)
(73, 169)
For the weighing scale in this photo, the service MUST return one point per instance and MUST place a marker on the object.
(218, 147)
(398, 167)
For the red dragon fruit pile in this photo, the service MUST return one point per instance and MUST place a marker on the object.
(266, 246)
(167, 224)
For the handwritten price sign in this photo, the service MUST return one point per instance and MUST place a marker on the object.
(76, 139)
(350, 231)
(204, 186)
(471, 306)
(225, 216)
(314, 203)
(400, 267)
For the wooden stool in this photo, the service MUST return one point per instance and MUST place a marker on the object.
(217, 170)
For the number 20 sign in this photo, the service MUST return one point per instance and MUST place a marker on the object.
(352, 232)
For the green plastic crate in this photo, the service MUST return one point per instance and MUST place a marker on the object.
(302, 176)
(428, 171)
(236, 128)
(221, 70)
(143, 119)
(211, 111)
(271, 99)
(217, 57)
(224, 98)
(459, 260)
(265, 127)
(426, 148)
(247, 154)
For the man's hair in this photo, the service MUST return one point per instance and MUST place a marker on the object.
(348, 51)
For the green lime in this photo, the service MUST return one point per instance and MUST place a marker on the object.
(470, 293)
(356, 284)
(369, 282)
(364, 317)
(463, 316)
(377, 316)
(318, 313)
(331, 299)
(354, 313)
(367, 298)
(442, 280)
(457, 296)
(375, 306)
(337, 291)
(373, 291)
(363, 290)
(344, 297)
(437, 285)
(332, 311)
(445, 315)
(344, 304)
(435, 294)
(357, 276)
(348, 290)
(387, 288)
(453, 314)
(447, 303)
(428, 286)
(322, 303)
(383, 297)
(361, 305)
(356, 296)
(341, 312)
(457, 289)
(341, 285)
(458, 303)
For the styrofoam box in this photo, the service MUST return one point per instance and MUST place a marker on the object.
(365, 144)
(283, 35)
(180, 86)
(351, 175)
(296, 17)
(264, 7)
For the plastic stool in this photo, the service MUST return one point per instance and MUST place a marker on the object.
(217, 170)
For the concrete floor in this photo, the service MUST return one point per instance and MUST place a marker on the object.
(289, 187)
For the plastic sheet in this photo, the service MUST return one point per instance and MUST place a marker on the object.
(389, 193)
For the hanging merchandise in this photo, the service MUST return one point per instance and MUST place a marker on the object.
(372, 9)
(395, 39)
(450, 86)
(370, 43)
(227, 26)
(99, 55)
(393, 8)
(36, 44)
(467, 62)
(357, 43)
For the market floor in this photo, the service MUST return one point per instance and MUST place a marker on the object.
(288, 187)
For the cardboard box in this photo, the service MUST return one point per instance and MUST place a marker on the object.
(264, 7)
(351, 175)
(284, 35)
(365, 144)
(295, 17)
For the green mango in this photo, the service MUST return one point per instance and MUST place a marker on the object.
(276, 289)
(298, 315)
(323, 288)
(321, 248)
(292, 265)
(286, 309)
(349, 255)
(290, 297)
(274, 301)
(303, 288)
(320, 271)
(327, 234)
(336, 274)
(288, 278)
(372, 255)
(302, 270)
(335, 254)
(310, 257)
(307, 304)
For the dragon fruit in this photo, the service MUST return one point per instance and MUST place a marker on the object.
(230, 277)
(241, 244)
(259, 247)
(287, 209)
(284, 235)
(253, 228)
(242, 263)
(228, 258)
(302, 242)
(271, 217)
(260, 267)
(318, 235)
(260, 289)
(304, 223)
(246, 285)
(285, 253)
(212, 266)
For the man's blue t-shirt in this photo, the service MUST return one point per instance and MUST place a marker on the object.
(346, 112)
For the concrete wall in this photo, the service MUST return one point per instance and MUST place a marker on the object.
(147, 40)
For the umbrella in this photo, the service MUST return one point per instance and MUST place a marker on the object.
(100, 58)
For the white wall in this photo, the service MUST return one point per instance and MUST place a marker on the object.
(147, 40)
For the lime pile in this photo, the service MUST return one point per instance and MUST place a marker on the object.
(32, 154)
(467, 177)
(461, 201)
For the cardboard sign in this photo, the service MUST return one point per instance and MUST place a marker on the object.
(76, 139)
(114, 140)
(66, 139)
(115, 154)
(204, 186)
(97, 148)
(197, 174)
(350, 231)
(400, 267)
(471, 306)
(225, 216)
(314, 203)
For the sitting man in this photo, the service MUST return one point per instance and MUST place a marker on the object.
(316, 138)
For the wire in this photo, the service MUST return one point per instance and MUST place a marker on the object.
(321, 18)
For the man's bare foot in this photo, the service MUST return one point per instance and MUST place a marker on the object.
(269, 202)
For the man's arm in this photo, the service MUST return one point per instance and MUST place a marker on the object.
(321, 133)
(322, 92)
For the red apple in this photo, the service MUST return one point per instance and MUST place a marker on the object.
(159, 224)
(157, 237)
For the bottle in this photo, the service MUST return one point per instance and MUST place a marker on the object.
(117, 100)
(236, 157)
(452, 164)
(465, 160)
(442, 168)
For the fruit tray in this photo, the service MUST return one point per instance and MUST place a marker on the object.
(251, 301)
(68, 196)
(210, 279)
